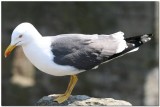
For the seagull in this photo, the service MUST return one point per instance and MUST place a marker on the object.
(71, 54)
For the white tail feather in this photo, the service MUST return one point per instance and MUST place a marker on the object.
(136, 49)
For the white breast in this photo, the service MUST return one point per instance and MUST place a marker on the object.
(40, 55)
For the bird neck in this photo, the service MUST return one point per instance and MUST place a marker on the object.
(35, 36)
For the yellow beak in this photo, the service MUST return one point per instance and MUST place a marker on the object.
(9, 50)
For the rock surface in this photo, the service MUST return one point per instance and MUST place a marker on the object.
(80, 100)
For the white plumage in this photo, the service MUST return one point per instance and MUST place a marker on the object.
(70, 54)
(38, 49)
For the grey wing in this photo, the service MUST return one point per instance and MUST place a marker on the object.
(87, 51)
(78, 51)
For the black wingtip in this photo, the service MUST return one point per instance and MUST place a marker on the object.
(150, 35)
(133, 43)
(146, 38)
(139, 40)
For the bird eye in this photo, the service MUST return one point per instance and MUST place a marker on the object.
(20, 36)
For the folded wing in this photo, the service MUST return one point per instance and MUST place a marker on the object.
(85, 52)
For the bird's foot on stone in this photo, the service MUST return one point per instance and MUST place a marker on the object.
(62, 98)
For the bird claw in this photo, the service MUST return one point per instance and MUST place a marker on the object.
(61, 98)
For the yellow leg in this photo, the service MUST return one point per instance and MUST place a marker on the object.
(65, 96)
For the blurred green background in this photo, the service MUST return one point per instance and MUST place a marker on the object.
(125, 78)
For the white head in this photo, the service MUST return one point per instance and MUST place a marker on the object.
(23, 34)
